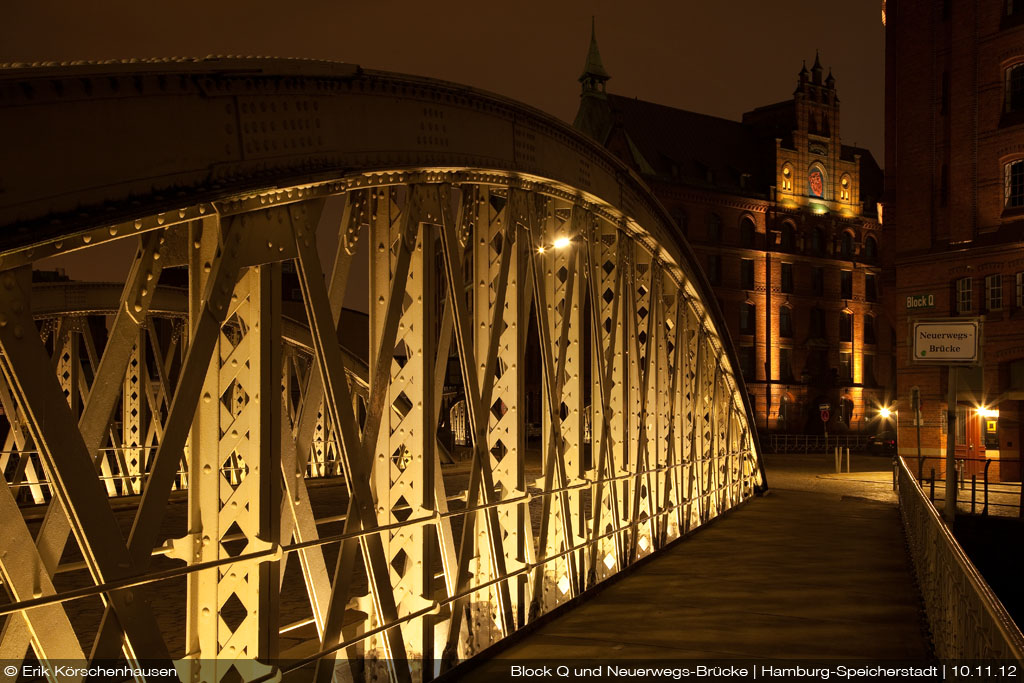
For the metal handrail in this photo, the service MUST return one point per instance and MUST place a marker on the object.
(967, 620)
(743, 483)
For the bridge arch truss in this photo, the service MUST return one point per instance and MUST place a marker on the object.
(510, 271)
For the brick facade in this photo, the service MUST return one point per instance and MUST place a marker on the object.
(954, 226)
(746, 192)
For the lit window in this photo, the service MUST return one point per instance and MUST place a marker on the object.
(844, 190)
(1013, 183)
(963, 295)
(994, 292)
(787, 178)
(1015, 87)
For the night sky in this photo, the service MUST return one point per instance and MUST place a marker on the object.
(720, 58)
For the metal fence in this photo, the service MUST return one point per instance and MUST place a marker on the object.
(966, 618)
(812, 443)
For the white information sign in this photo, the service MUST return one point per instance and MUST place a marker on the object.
(950, 341)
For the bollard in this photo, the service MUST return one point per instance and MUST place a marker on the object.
(974, 490)
(847, 459)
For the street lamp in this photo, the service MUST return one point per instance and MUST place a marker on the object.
(559, 243)
(885, 412)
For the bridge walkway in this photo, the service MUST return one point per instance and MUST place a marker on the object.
(815, 569)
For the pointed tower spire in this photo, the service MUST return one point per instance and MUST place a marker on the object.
(803, 72)
(830, 81)
(816, 69)
(594, 76)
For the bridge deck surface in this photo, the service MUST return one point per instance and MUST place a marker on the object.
(804, 572)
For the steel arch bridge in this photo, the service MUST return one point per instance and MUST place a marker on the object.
(482, 219)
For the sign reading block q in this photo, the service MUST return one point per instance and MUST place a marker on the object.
(951, 341)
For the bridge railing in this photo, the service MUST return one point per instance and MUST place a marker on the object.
(966, 618)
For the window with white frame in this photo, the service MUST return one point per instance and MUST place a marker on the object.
(963, 295)
(1013, 184)
(994, 292)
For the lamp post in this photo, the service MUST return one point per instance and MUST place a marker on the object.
(885, 412)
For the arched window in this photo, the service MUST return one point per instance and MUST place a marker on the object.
(788, 236)
(845, 326)
(870, 248)
(785, 321)
(816, 181)
(713, 227)
(818, 242)
(787, 178)
(846, 245)
(748, 313)
(747, 232)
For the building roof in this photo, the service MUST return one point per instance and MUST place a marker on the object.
(690, 147)
(682, 146)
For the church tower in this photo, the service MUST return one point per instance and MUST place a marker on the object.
(594, 76)
(594, 116)
(814, 170)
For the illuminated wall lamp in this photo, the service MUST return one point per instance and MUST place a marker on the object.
(988, 412)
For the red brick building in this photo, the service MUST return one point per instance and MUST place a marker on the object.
(784, 219)
(954, 215)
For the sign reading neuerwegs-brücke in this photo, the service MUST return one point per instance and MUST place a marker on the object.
(946, 341)
(919, 301)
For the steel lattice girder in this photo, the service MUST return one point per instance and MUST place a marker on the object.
(669, 443)
(645, 425)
